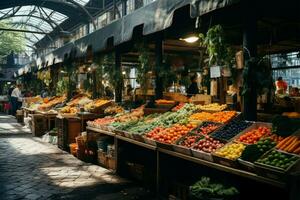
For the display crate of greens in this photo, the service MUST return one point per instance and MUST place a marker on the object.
(204, 148)
(230, 130)
(255, 151)
(184, 144)
(229, 160)
(276, 165)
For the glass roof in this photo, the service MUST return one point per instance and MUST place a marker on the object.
(38, 19)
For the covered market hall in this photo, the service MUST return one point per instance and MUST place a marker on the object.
(149, 99)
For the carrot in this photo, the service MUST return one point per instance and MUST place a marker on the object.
(291, 144)
(297, 151)
(285, 142)
(294, 146)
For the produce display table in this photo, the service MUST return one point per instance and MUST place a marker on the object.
(161, 152)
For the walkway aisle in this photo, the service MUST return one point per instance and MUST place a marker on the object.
(31, 169)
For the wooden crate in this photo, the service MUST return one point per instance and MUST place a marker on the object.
(39, 124)
(68, 130)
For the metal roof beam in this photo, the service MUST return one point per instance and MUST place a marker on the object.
(20, 30)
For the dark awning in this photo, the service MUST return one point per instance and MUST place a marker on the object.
(154, 17)
(201, 7)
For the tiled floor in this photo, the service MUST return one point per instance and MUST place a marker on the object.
(32, 169)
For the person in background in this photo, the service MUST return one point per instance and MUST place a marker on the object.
(281, 86)
(16, 99)
(12, 87)
(193, 88)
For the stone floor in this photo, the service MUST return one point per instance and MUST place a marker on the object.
(32, 169)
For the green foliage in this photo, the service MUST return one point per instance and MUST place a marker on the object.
(218, 51)
(143, 68)
(284, 126)
(204, 189)
(113, 75)
(11, 41)
(62, 87)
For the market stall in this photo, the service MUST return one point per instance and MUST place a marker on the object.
(205, 135)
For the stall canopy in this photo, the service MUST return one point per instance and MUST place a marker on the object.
(158, 16)
(201, 7)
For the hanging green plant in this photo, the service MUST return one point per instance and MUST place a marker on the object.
(113, 75)
(167, 75)
(144, 67)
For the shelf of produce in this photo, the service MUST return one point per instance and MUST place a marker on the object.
(231, 170)
(100, 131)
(142, 144)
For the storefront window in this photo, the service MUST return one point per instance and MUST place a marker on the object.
(287, 66)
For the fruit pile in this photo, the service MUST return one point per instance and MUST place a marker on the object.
(208, 145)
(221, 117)
(265, 144)
(213, 107)
(278, 159)
(290, 144)
(101, 121)
(201, 116)
(224, 116)
(254, 135)
(51, 103)
(230, 130)
(172, 134)
(206, 128)
(231, 151)
(95, 104)
(113, 110)
(155, 133)
(189, 140)
(69, 110)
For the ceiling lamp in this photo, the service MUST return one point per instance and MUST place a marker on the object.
(190, 39)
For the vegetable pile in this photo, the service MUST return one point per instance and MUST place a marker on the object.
(204, 189)
(290, 144)
(254, 135)
(278, 159)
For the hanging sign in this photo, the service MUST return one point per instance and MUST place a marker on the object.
(215, 72)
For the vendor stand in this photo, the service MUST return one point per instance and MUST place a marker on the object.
(159, 159)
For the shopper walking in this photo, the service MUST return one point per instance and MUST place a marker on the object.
(16, 99)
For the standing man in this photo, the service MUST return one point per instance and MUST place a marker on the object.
(16, 98)
(193, 88)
